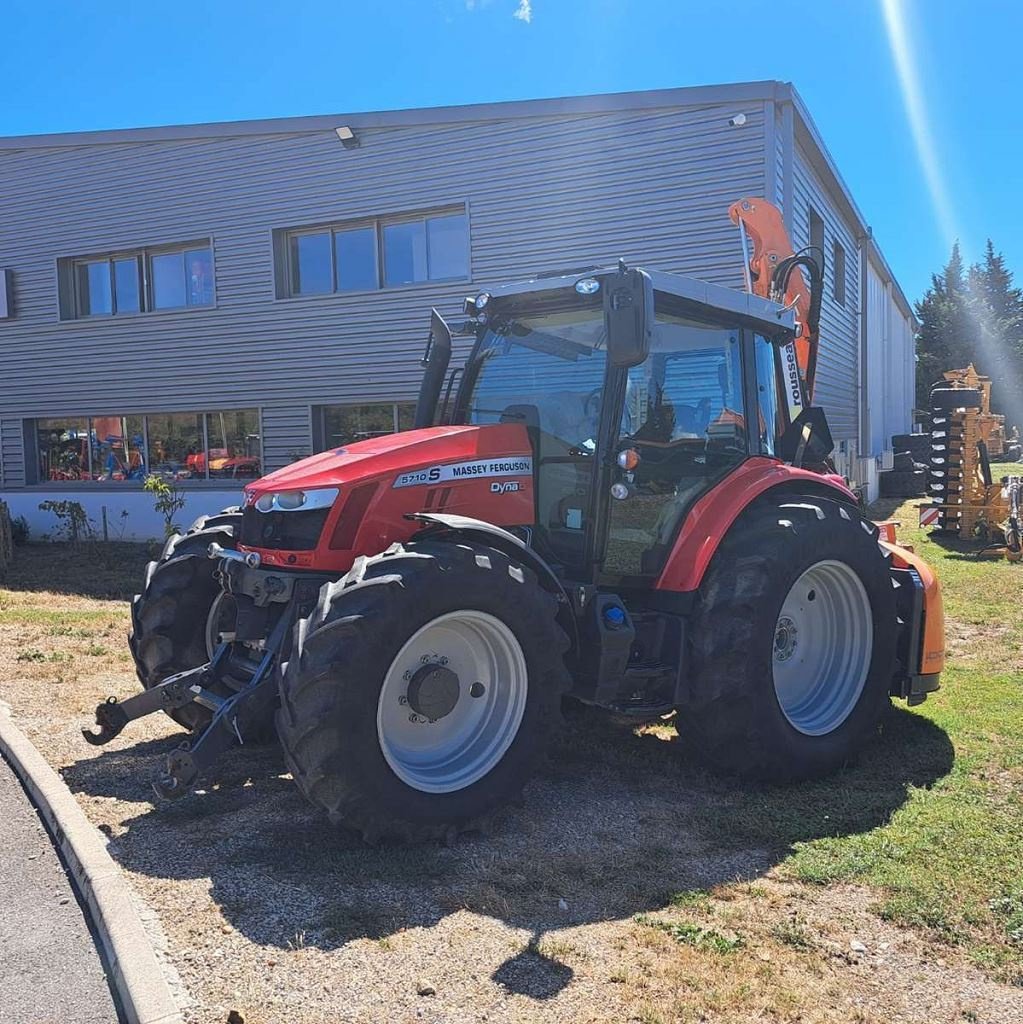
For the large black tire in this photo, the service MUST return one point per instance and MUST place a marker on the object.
(947, 399)
(918, 445)
(732, 717)
(169, 617)
(903, 462)
(895, 483)
(331, 686)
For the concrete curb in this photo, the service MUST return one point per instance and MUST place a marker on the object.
(144, 993)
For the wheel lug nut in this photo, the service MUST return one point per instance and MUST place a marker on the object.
(443, 661)
(403, 699)
(406, 676)
(477, 690)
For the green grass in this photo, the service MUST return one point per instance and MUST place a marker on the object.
(950, 859)
(688, 934)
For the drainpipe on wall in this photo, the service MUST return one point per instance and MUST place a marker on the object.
(862, 393)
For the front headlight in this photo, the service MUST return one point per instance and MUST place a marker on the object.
(297, 501)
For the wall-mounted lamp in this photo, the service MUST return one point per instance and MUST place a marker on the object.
(348, 138)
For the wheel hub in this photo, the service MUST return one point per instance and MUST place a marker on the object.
(433, 691)
(785, 639)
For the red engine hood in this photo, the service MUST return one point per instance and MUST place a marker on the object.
(394, 453)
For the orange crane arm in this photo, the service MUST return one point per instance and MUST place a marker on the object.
(762, 221)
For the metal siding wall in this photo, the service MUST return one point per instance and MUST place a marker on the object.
(891, 366)
(838, 368)
(12, 453)
(553, 191)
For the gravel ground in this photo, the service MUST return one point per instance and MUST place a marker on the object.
(271, 913)
(561, 911)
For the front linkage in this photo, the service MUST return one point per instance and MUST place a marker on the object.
(242, 714)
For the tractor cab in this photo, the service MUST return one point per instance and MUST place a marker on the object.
(639, 392)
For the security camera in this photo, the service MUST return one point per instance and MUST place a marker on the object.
(737, 122)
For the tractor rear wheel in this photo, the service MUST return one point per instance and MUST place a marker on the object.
(181, 610)
(793, 643)
(422, 689)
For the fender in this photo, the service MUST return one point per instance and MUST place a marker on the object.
(467, 528)
(711, 517)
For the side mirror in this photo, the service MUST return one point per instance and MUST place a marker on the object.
(628, 316)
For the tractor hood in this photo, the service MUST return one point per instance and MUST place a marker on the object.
(431, 450)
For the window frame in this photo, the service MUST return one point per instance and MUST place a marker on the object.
(285, 268)
(70, 296)
(319, 426)
(30, 434)
(813, 218)
(839, 271)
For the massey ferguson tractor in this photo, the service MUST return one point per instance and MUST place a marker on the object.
(627, 501)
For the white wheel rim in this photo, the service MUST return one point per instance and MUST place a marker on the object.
(219, 616)
(466, 742)
(823, 643)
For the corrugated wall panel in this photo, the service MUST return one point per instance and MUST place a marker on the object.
(838, 367)
(890, 366)
(12, 453)
(551, 191)
(286, 429)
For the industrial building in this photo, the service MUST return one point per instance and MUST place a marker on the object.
(209, 302)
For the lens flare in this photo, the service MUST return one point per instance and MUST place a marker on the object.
(916, 111)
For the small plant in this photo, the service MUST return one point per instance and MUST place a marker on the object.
(73, 524)
(20, 530)
(167, 500)
(693, 935)
(30, 655)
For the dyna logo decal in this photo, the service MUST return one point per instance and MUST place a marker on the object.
(476, 470)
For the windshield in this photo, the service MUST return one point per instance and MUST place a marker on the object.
(544, 371)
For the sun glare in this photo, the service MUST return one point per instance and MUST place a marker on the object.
(916, 111)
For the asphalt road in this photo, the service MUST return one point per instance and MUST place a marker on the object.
(50, 970)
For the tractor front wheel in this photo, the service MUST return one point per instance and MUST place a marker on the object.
(176, 619)
(422, 689)
(793, 646)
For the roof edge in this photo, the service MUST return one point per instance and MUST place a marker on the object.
(825, 166)
(690, 96)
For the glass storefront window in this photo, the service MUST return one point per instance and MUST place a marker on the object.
(234, 444)
(62, 447)
(118, 448)
(345, 424)
(176, 446)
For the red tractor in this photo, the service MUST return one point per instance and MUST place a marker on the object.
(627, 501)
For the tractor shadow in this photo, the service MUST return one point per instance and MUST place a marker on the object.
(616, 823)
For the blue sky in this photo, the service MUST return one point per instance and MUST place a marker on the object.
(930, 143)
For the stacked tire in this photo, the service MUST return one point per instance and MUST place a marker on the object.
(908, 477)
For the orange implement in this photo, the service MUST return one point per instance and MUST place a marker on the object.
(932, 650)
(763, 223)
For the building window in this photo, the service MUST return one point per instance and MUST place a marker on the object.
(385, 252)
(169, 277)
(177, 446)
(816, 231)
(838, 268)
(337, 425)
